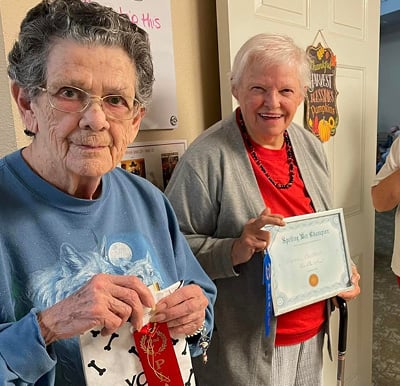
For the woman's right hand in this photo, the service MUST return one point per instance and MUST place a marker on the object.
(105, 302)
(254, 238)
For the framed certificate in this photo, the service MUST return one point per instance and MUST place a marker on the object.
(309, 260)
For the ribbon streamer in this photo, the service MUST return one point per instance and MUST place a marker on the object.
(157, 355)
(268, 293)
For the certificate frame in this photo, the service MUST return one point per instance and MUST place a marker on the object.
(309, 260)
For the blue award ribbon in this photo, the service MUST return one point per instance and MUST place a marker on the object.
(268, 294)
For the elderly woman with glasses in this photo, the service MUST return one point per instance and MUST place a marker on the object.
(81, 240)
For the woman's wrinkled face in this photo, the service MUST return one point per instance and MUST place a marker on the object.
(88, 144)
(268, 98)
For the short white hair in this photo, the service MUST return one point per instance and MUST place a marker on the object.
(269, 50)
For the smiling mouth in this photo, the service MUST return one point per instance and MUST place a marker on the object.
(89, 148)
(271, 116)
(91, 145)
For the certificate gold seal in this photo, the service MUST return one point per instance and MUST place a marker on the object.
(313, 280)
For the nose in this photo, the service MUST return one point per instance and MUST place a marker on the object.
(271, 98)
(94, 115)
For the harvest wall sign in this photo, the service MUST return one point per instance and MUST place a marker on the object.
(321, 115)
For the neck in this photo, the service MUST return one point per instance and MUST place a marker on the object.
(253, 154)
(268, 142)
(88, 188)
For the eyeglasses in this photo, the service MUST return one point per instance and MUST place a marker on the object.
(69, 99)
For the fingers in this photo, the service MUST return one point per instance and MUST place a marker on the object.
(349, 295)
(183, 310)
(255, 226)
(108, 301)
(254, 238)
(355, 277)
(124, 285)
(265, 219)
(128, 298)
(352, 294)
(105, 302)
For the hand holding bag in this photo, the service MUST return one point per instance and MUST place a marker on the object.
(121, 359)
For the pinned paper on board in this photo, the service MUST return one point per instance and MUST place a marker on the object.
(154, 17)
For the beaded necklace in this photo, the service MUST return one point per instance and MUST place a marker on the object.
(253, 153)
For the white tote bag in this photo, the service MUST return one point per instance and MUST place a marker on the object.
(114, 360)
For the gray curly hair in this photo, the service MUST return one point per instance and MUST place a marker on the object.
(86, 23)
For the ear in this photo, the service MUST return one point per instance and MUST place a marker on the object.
(24, 107)
(300, 98)
(234, 92)
(303, 96)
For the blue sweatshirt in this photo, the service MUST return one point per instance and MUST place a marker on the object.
(51, 244)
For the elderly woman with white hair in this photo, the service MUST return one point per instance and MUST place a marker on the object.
(252, 169)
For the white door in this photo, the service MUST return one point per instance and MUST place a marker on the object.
(351, 30)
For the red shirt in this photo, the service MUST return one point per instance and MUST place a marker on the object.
(299, 325)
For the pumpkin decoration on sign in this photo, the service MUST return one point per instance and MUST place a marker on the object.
(324, 130)
(321, 115)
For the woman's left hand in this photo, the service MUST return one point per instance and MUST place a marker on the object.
(352, 294)
(183, 310)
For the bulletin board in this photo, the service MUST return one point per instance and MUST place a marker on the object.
(154, 16)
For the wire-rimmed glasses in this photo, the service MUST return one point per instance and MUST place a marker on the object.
(70, 99)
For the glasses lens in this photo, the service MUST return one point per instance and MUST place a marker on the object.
(74, 100)
(116, 106)
(69, 99)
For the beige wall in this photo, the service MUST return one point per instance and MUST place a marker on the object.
(196, 63)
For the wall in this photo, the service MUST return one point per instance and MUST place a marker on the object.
(389, 80)
(196, 63)
(388, 6)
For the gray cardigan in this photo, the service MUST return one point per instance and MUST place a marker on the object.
(214, 192)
